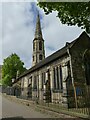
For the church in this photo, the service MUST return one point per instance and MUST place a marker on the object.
(61, 78)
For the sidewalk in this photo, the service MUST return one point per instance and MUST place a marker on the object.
(51, 109)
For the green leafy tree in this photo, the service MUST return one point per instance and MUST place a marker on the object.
(7, 80)
(11, 65)
(70, 13)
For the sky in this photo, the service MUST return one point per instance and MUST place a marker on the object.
(17, 25)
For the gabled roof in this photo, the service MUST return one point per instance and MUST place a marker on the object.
(61, 52)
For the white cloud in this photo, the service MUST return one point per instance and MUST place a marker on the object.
(56, 34)
(18, 31)
(0, 33)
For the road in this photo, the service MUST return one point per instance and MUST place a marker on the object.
(13, 110)
(0, 107)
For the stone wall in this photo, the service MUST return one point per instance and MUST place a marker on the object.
(56, 96)
(78, 68)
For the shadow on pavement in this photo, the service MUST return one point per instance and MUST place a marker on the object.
(20, 118)
(13, 118)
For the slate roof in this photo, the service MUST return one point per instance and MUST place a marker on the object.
(61, 52)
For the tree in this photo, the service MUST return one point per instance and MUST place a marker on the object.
(11, 65)
(70, 13)
(7, 80)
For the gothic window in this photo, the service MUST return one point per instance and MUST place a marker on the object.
(34, 46)
(87, 66)
(44, 77)
(57, 75)
(35, 82)
(54, 78)
(61, 84)
(33, 58)
(42, 80)
(87, 73)
(30, 80)
(22, 83)
(57, 78)
(40, 45)
(40, 57)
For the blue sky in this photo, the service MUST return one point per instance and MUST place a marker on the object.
(18, 27)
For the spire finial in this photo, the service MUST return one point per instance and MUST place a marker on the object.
(38, 32)
(37, 12)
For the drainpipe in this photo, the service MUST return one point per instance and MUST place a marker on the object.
(68, 51)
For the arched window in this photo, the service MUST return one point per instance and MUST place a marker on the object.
(87, 65)
(40, 45)
(34, 46)
(61, 79)
(40, 57)
(33, 58)
(35, 82)
(54, 78)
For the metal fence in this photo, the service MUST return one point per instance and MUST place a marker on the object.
(80, 104)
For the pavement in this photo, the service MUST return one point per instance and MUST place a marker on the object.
(13, 108)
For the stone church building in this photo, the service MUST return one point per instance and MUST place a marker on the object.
(61, 78)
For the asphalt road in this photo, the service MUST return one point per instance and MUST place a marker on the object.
(0, 107)
(14, 110)
(11, 110)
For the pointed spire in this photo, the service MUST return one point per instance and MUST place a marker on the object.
(38, 44)
(38, 32)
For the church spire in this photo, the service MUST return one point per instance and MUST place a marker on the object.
(38, 44)
(38, 32)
